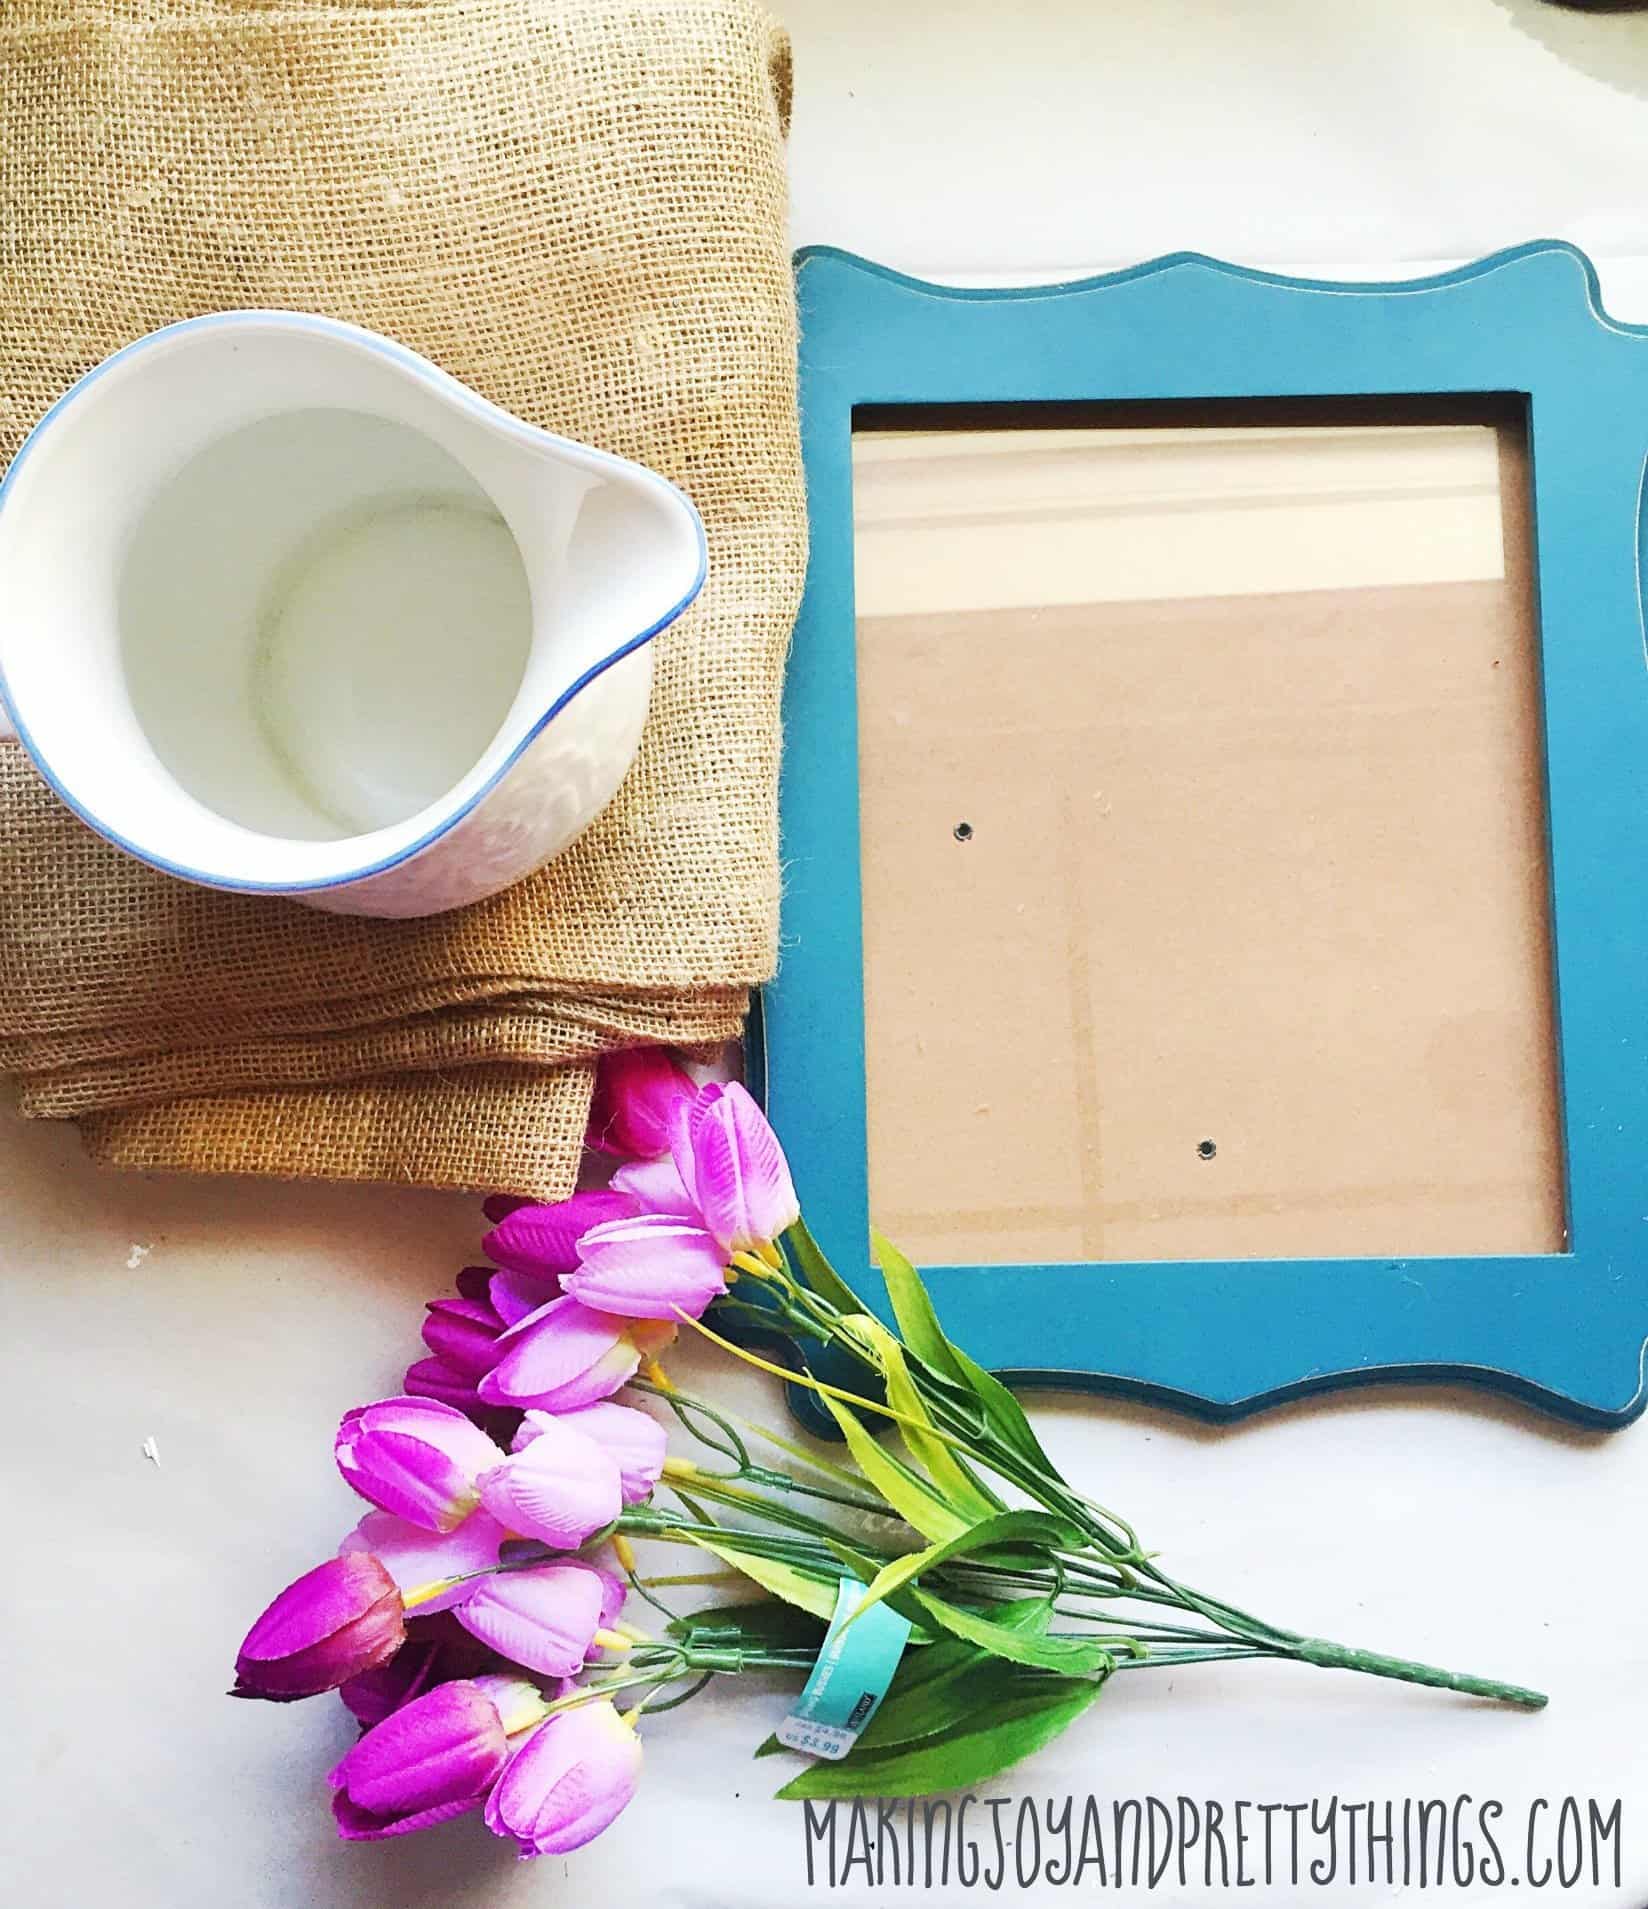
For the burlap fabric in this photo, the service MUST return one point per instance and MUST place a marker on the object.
(577, 207)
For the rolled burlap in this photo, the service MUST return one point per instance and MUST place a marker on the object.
(577, 207)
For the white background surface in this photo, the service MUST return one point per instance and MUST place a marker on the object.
(964, 138)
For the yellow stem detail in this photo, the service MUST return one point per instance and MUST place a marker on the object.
(825, 1391)
(422, 1593)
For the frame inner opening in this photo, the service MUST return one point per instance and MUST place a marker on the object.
(1203, 837)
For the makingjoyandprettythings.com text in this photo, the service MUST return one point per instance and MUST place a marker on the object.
(1152, 1843)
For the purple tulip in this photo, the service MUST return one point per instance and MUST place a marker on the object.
(435, 1379)
(635, 1095)
(437, 1651)
(564, 1355)
(634, 1440)
(417, 1559)
(341, 1618)
(544, 1618)
(499, 1206)
(462, 1334)
(415, 1457)
(654, 1266)
(514, 1295)
(472, 1283)
(730, 1161)
(544, 1239)
(434, 1758)
(567, 1781)
(561, 1489)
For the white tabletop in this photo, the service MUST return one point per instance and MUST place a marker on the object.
(231, 1323)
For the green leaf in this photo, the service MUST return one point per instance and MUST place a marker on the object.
(967, 1684)
(956, 1484)
(981, 1747)
(767, 1622)
(936, 1687)
(808, 1593)
(1003, 1528)
(1074, 1656)
(914, 1501)
(918, 1693)
(926, 1338)
(1005, 1413)
(817, 1271)
(913, 1309)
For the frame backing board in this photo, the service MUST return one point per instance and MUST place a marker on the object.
(1205, 910)
(1535, 1280)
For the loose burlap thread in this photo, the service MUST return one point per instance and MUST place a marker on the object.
(577, 207)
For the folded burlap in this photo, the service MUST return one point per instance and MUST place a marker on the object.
(577, 207)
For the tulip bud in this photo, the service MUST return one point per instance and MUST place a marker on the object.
(561, 1489)
(472, 1282)
(635, 1094)
(415, 1457)
(544, 1239)
(340, 1619)
(634, 1440)
(513, 1295)
(435, 1379)
(729, 1159)
(545, 1618)
(656, 1187)
(565, 1355)
(653, 1266)
(462, 1332)
(438, 1650)
(434, 1758)
(567, 1781)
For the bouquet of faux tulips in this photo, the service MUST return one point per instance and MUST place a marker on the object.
(473, 1621)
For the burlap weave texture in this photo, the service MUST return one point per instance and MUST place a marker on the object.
(577, 207)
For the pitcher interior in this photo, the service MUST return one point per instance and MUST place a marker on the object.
(324, 622)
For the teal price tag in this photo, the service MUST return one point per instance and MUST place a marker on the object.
(848, 1682)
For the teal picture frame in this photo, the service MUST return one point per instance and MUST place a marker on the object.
(1566, 1330)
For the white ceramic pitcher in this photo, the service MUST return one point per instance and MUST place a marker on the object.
(285, 609)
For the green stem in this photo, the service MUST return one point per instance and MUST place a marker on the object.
(1213, 1654)
(1317, 1650)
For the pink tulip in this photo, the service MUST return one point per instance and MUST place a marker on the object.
(435, 1758)
(567, 1781)
(565, 1355)
(544, 1618)
(416, 1558)
(462, 1333)
(655, 1187)
(651, 1267)
(635, 1094)
(340, 1619)
(415, 1457)
(544, 1239)
(730, 1161)
(561, 1489)
(634, 1440)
